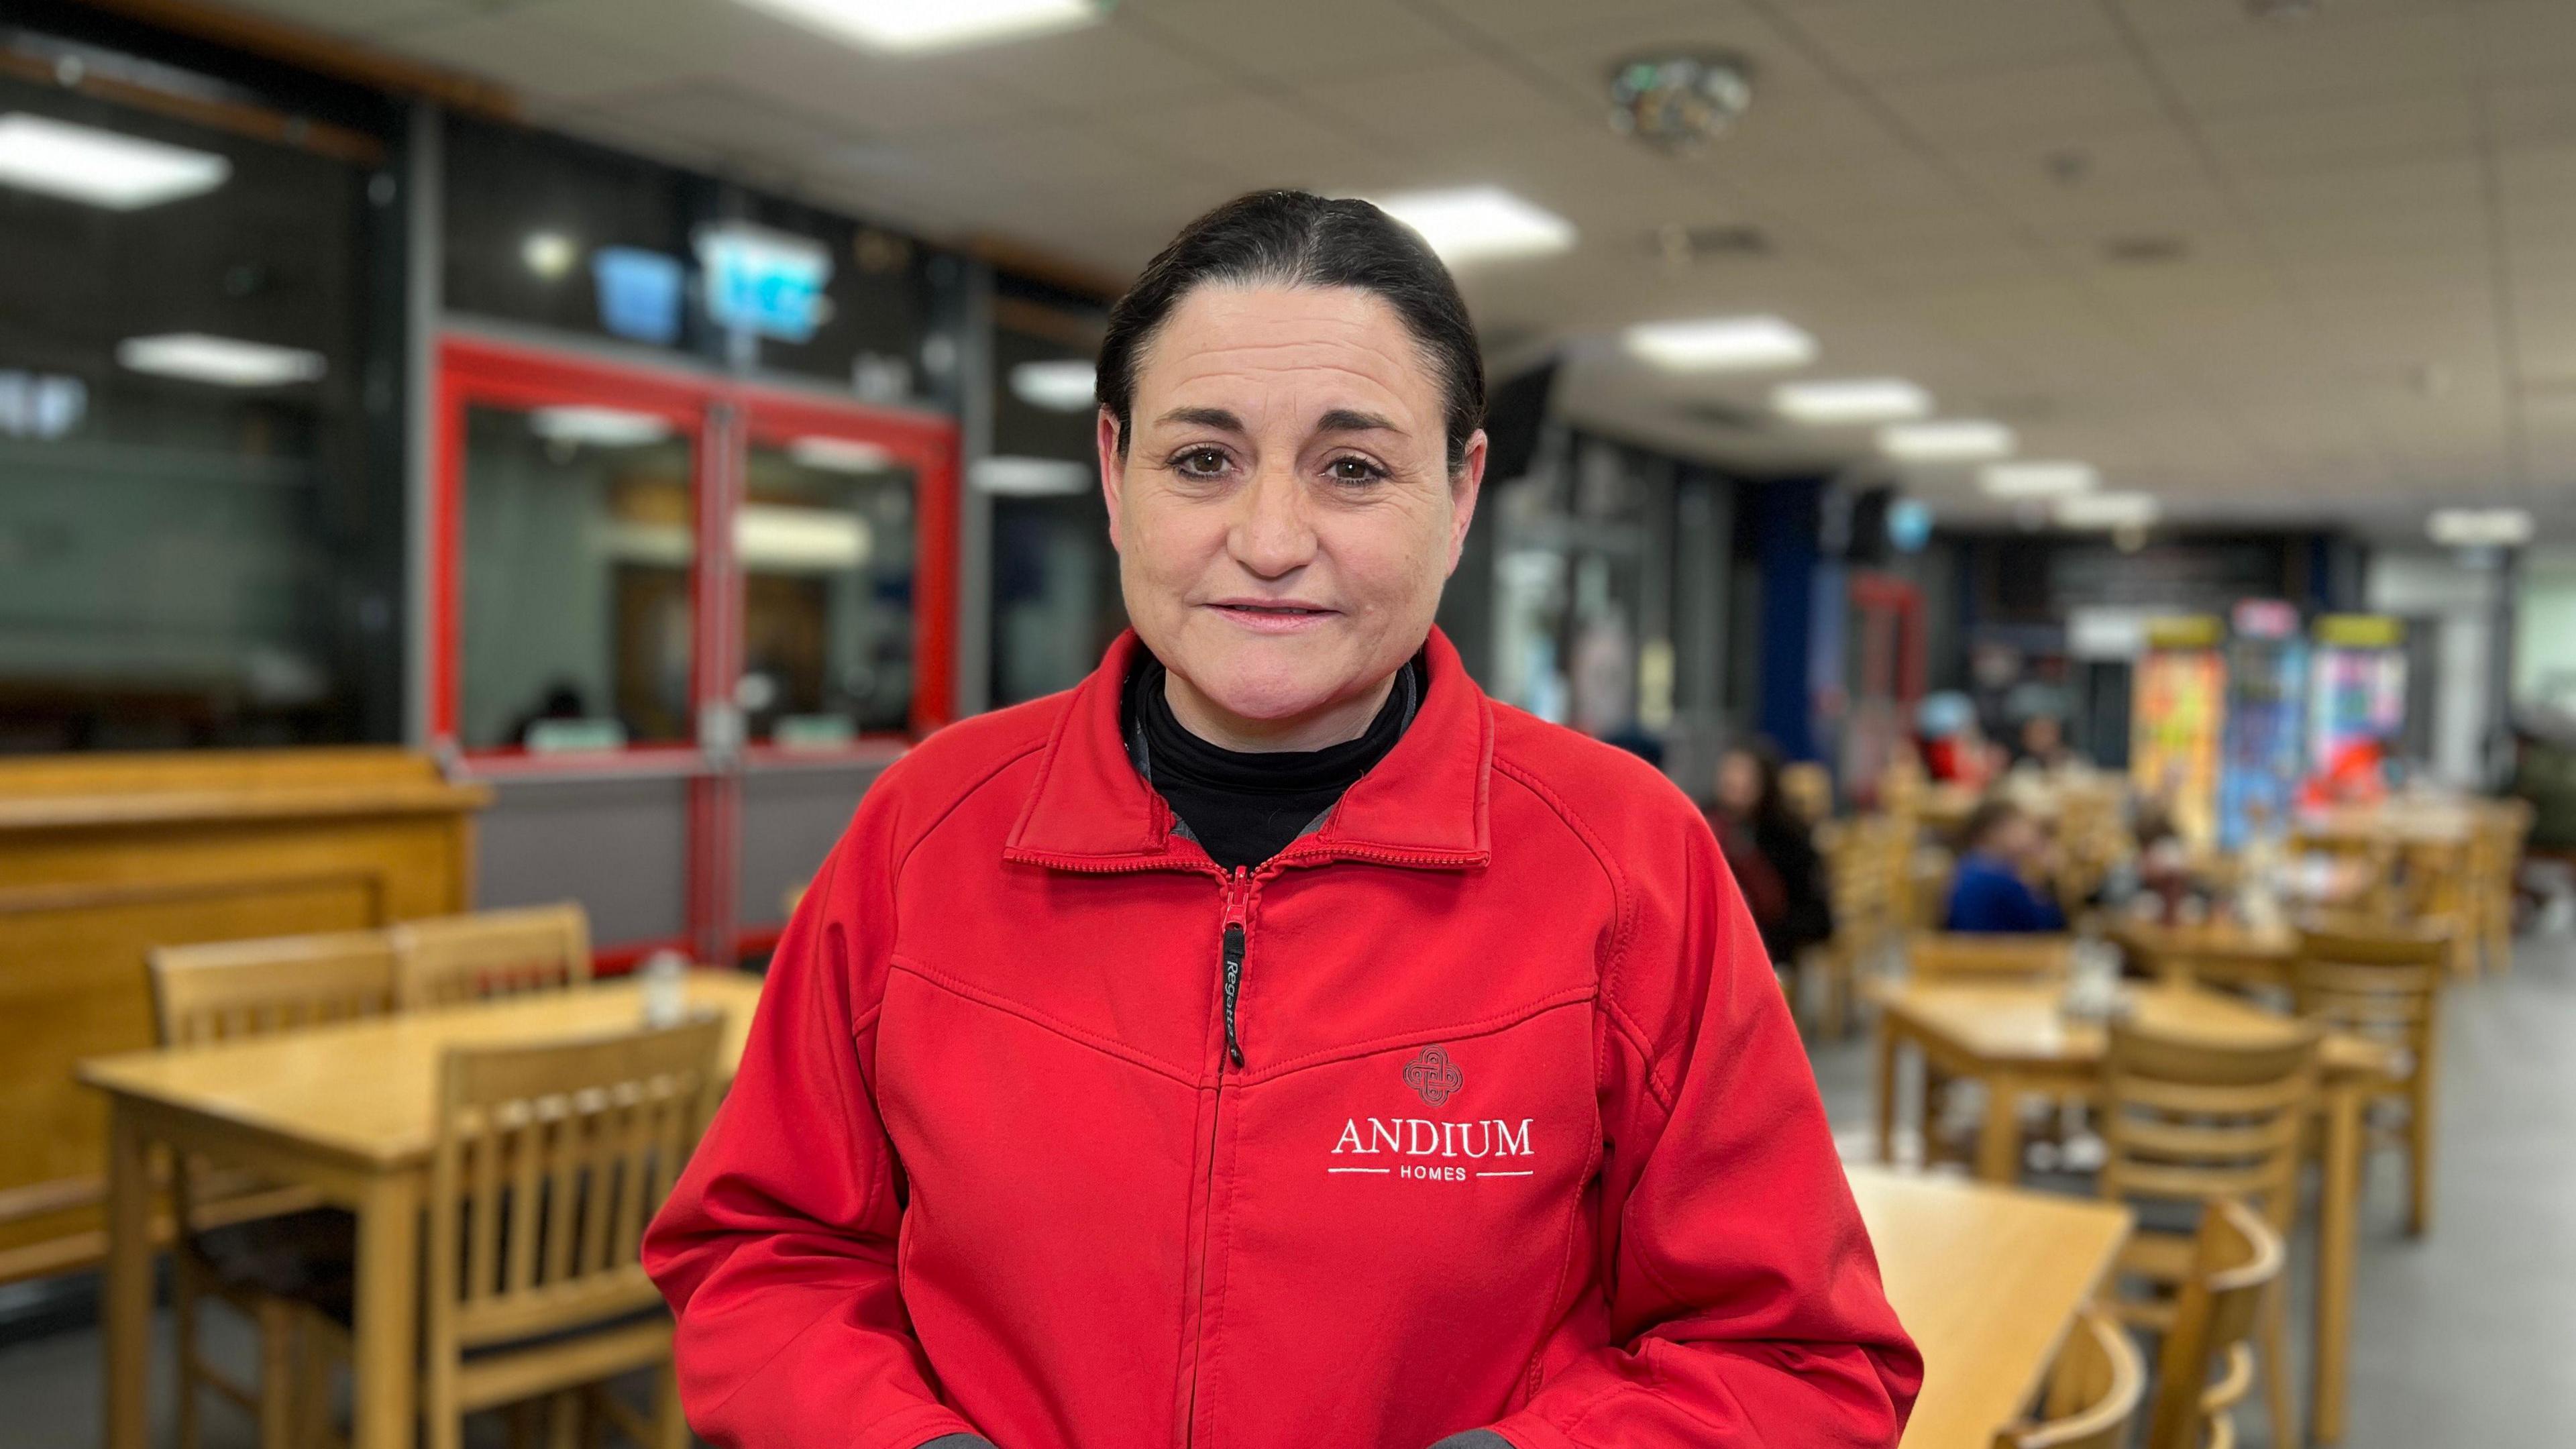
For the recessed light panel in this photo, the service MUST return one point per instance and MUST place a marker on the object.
(1850, 400)
(101, 167)
(915, 25)
(1479, 223)
(1719, 344)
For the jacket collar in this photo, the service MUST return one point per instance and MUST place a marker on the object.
(1423, 805)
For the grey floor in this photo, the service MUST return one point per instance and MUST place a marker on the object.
(2465, 1337)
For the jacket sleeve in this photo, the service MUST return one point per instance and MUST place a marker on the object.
(776, 1248)
(1744, 1301)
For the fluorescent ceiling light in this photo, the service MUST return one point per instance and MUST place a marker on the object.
(1059, 387)
(1951, 440)
(2106, 510)
(1011, 477)
(101, 168)
(1851, 400)
(2480, 527)
(774, 536)
(1476, 223)
(603, 427)
(932, 24)
(839, 455)
(1722, 343)
(225, 361)
(2037, 480)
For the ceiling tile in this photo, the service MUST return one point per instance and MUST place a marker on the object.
(2398, 127)
(2277, 66)
(534, 54)
(2034, 103)
(1295, 43)
(1884, 38)
(2521, 39)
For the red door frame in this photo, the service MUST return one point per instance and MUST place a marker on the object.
(1877, 593)
(721, 416)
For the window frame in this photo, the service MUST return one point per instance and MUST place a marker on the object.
(721, 416)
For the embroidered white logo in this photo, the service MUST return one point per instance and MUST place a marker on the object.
(1420, 1137)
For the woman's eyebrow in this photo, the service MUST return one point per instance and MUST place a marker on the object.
(1218, 418)
(1351, 420)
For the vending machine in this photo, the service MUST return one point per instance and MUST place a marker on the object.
(2264, 753)
(2180, 702)
(2356, 706)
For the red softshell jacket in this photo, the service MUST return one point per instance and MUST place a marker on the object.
(1519, 1135)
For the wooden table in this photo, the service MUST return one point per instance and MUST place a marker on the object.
(349, 1112)
(2013, 1038)
(2228, 952)
(1987, 1280)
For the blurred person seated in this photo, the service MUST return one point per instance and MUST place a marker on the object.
(1771, 852)
(2042, 746)
(1955, 749)
(2001, 852)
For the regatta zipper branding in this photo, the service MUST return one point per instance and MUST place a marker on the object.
(1232, 958)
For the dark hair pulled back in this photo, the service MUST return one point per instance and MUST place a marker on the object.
(1299, 239)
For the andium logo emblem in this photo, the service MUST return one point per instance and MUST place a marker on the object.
(1433, 1077)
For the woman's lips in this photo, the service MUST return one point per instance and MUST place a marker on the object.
(1274, 618)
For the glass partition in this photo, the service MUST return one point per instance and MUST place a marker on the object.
(579, 544)
(825, 542)
(200, 529)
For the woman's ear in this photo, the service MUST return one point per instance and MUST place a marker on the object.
(1466, 483)
(1113, 469)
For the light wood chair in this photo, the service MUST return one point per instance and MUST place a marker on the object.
(260, 1249)
(1857, 884)
(550, 1161)
(1965, 958)
(2093, 1390)
(2505, 827)
(451, 960)
(2386, 984)
(2237, 1263)
(2186, 1123)
(1809, 790)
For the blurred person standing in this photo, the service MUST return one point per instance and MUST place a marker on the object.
(1771, 851)
(1273, 1040)
(2002, 851)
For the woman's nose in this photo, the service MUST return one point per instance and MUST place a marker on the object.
(1272, 535)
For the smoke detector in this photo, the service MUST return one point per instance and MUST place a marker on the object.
(1679, 102)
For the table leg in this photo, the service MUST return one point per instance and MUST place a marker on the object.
(1886, 1090)
(127, 1312)
(388, 1282)
(1999, 1145)
(2340, 1203)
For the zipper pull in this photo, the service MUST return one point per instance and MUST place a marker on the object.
(1233, 957)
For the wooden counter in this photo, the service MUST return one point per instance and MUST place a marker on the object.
(104, 856)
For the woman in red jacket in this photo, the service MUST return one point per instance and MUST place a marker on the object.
(1273, 1041)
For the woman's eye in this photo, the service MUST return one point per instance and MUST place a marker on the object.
(1199, 463)
(1354, 470)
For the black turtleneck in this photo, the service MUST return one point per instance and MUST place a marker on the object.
(1246, 807)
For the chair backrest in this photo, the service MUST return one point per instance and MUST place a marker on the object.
(1962, 956)
(2093, 1390)
(222, 990)
(1809, 790)
(551, 1158)
(2382, 982)
(448, 960)
(2189, 1119)
(2235, 1258)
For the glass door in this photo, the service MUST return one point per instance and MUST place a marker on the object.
(648, 584)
